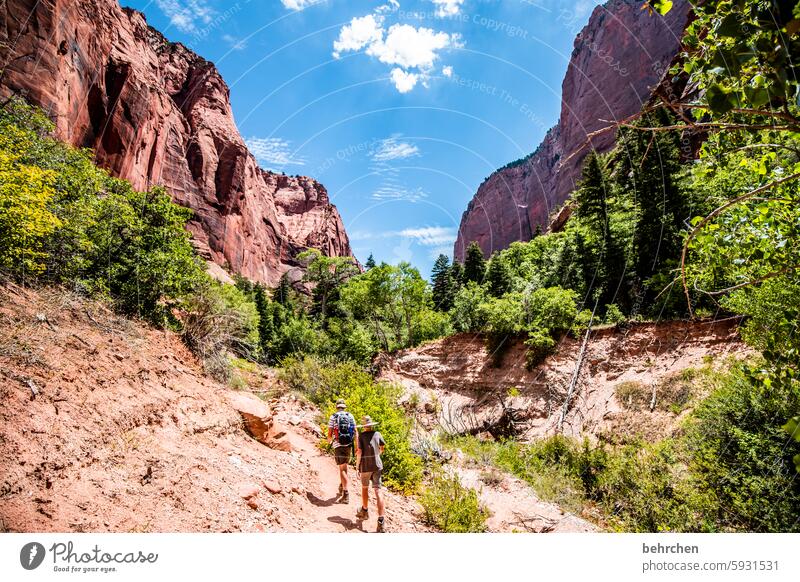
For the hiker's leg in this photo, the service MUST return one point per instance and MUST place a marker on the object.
(343, 476)
(379, 498)
(365, 496)
(377, 479)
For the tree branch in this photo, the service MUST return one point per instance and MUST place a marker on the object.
(700, 225)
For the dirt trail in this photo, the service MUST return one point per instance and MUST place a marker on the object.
(109, 426)
(402, 514)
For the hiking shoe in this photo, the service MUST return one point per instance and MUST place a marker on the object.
(362, 514)
(345, 498)
(381, 527)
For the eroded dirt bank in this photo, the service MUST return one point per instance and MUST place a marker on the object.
(110, 426)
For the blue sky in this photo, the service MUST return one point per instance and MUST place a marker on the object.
(400, 108)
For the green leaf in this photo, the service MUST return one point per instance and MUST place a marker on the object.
(730, 26)
(793, 428)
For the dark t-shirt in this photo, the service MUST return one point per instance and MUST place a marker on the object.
(370, 444)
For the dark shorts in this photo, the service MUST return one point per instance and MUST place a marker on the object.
(374, 477)
(343, 455)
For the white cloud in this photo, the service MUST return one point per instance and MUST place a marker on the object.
(411, 51)
(392, 192)
(404, 81)
(431, 236)
(447, 71)
(186, 15)
(298, 4)
(361, 32)
(445, 8)
(393, 149)
(392, 6)
(236, 44)
(411, 47)
(273, 152)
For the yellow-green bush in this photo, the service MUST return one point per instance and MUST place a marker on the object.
(453, 508)
(323, 382)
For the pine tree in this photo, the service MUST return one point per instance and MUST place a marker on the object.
(266, 322)
(499, 276)
(282, 293)
(592, 197)
(457, 275)
(474, 264)
(651, 176)
(370, 264)
(443, 284)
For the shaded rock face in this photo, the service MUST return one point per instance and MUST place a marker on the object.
(617, 60)
(157, 114)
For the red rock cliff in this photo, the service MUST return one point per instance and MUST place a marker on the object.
(618, 58)
(156, 113)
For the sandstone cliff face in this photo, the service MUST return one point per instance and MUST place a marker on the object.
(617, 60)
(157, 114)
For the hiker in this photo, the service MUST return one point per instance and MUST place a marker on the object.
(370, 468)
(342, 437)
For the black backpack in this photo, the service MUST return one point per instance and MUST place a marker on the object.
(345, 429)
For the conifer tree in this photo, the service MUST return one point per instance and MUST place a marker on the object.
(282, 293)
(474, 264)
(370, 264)
(266, 322)
(443, 285)
(499, 276)
(457, 275)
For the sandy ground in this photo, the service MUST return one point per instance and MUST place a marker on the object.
(109, 426)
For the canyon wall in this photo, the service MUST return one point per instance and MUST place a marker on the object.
(155, 113)
(618, 58)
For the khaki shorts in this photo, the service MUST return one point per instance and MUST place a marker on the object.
(342, 455)
(374, 477)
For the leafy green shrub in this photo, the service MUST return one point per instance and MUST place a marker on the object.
(614, 315)
(87, 229)
(453, 508)
(633, 395)
(540, 345)
(325, 381)
(430, 325)
(466, 315)
(744, 456)
(219, 319)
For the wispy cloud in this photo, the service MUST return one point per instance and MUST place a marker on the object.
(391, 192)
(410, 51)
(236, 44)
(274, 152)
(299, 4)
(186, 15)
(393, 148)
(430, 236)
(439, 238)
(445, 8)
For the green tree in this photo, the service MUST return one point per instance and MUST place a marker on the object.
(370, 264)
(457, 275)
(25, 218)
(474, 264)
(443, 285)
(592, 197)
(650, 175)
(266, 322)
(498, 276)
(283, 292)
(326, 274)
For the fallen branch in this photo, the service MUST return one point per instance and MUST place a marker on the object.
(574, 382)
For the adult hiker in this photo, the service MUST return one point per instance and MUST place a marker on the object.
(342, 437)
(370, 468)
